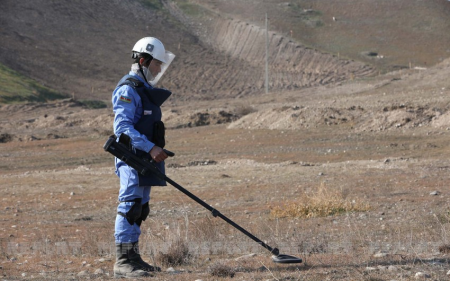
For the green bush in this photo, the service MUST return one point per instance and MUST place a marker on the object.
(152, 4)
(93, 104)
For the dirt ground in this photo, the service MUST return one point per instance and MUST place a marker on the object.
(382, 141)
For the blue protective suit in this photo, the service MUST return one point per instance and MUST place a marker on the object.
(136, 107)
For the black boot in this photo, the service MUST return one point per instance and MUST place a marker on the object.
(124, 266)
(135, 257)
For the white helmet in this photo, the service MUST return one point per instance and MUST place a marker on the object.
(151, 46)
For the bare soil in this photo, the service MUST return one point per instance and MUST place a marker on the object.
(383, 141)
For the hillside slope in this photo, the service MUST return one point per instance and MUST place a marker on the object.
(78, 47)
(387, 34)
(82, 49)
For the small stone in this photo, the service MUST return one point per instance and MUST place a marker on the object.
(24, 274)
(421, 275)
(392, 268)
(380, 255)
(83, 273)
(448, 273)
(370, 268)
(245, 257)
(99, 271)
(435, 193)
(72, 193)
(382, 268)
(101, 260)
(171, 270)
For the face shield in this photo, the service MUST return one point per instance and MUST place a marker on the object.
(168, 58)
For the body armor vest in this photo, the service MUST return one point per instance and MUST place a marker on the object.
(152, 99)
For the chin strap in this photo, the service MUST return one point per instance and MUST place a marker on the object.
(142, 71)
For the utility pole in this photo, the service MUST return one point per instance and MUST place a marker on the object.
(267, 57)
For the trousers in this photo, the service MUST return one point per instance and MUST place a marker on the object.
(129, 191)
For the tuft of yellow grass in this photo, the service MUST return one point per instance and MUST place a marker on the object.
(322, 203)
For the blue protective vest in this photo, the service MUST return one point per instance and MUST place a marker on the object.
(152, 99)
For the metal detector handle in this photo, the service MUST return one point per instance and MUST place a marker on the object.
(169, 153)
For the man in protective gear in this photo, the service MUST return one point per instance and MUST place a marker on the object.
(137, 117)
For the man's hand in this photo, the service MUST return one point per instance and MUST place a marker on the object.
(158, 154)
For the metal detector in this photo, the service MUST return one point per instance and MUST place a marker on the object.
(146, 167)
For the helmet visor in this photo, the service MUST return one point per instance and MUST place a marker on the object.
(168, 58)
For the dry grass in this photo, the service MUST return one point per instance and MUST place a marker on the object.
(324, 202)
(220, 269)
(178, 254)
(445, 249)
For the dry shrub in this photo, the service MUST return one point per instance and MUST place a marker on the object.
(445, 249)
(178, 254)
(444, 217)
(220, 269)
(324, 202)
(243, 110)
(206, 229)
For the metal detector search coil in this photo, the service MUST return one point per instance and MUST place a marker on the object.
(145, 167)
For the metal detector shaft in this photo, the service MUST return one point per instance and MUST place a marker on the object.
(216, 213)
(147, 167)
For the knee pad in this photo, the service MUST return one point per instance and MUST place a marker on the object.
(134, 213)
(144, 214)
